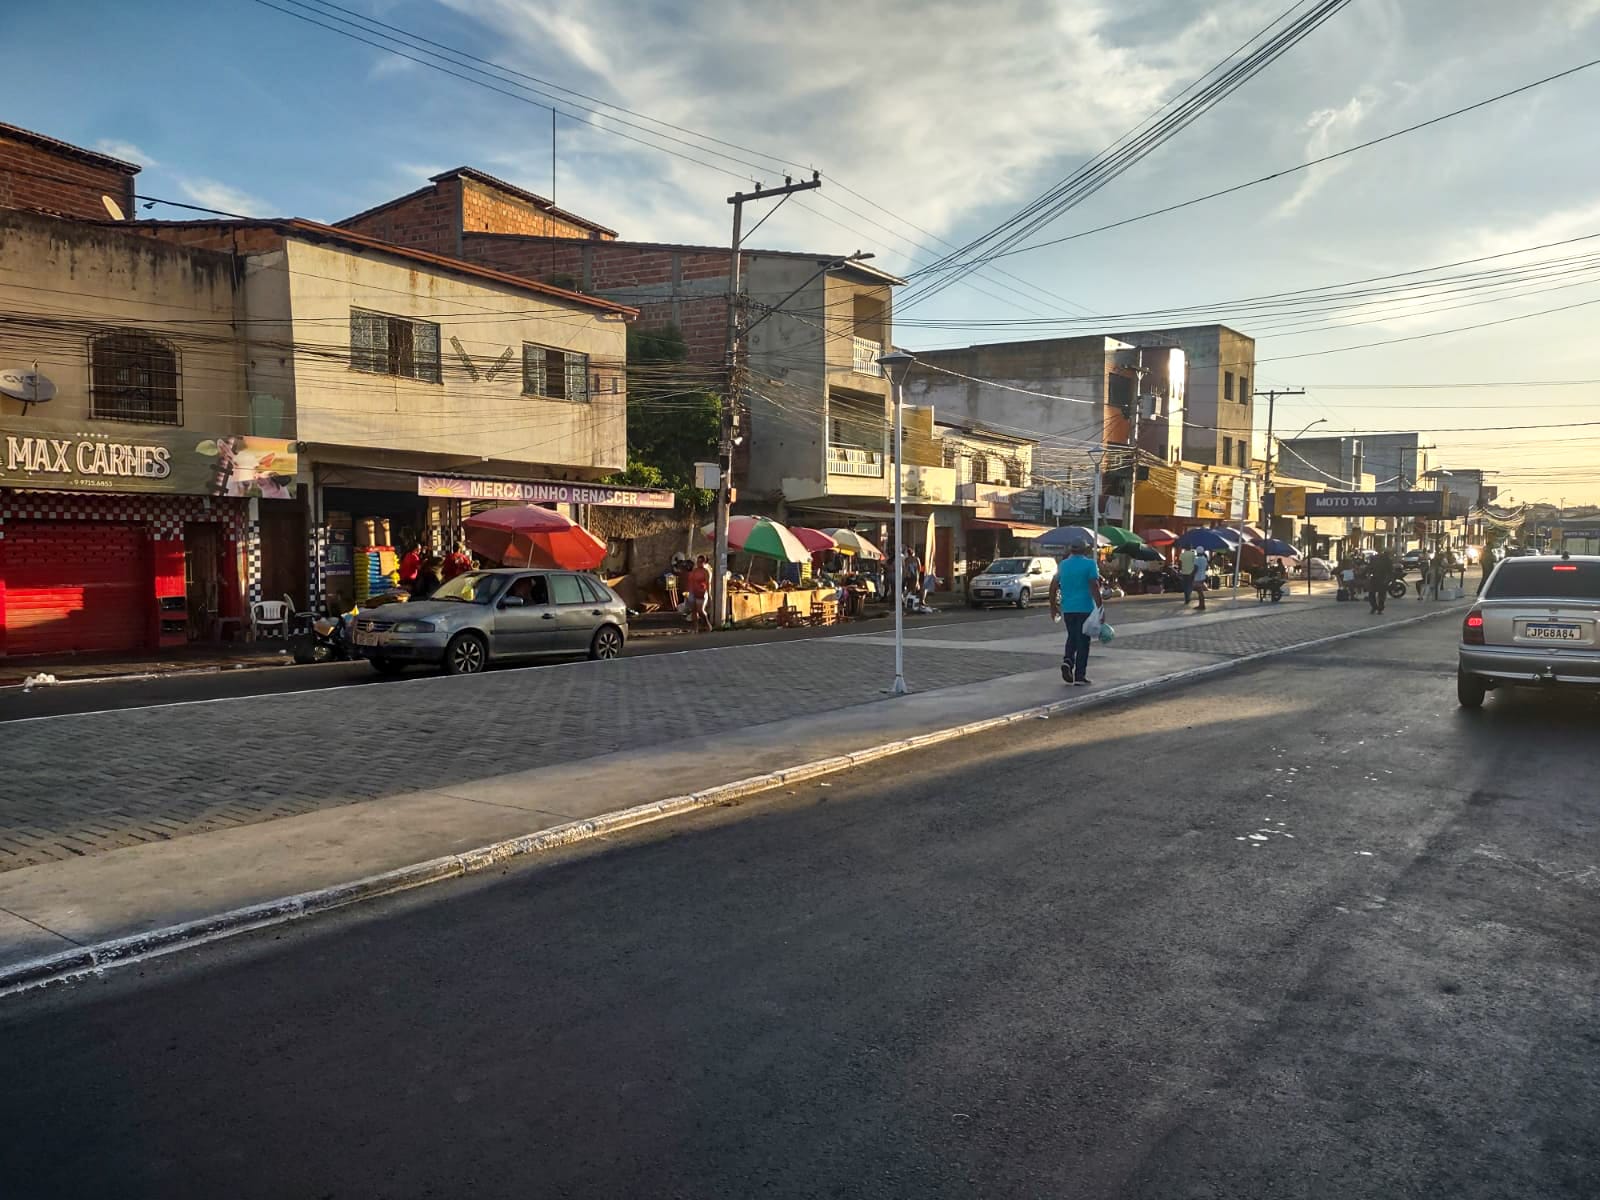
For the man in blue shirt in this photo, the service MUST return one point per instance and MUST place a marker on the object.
(1078, 580)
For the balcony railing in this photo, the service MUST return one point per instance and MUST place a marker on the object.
(855, 460)
(864, 356)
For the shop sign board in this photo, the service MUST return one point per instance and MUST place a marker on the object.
(543, 492)
(928, 485)
(1288, 501)
(1183, 502)
(1375, 504)
(1028, 505)
(63, 456)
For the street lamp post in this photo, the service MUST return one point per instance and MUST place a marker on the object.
(1297, 437)
(897, 365)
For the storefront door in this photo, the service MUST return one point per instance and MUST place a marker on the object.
(76, 586)
(283, 552)
(944, 556)
(202, 576)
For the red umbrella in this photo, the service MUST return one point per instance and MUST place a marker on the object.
(813, 540)
(526, 535)
(1159, 537)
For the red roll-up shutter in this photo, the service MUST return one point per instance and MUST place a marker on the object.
(75, 586)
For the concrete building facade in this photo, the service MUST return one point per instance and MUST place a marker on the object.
(1219, 397)
(412, 384)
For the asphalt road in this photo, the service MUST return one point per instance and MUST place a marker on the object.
(1302, 931)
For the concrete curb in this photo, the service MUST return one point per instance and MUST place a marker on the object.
(88, 960)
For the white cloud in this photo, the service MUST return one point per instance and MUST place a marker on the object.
(390, 65)
(1537, 230)
(210, 194)
(1330, 129)
(126, 151)
(926, 107)
(1580, 12)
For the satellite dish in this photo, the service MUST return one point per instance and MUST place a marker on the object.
(113, 208)
(28, 386)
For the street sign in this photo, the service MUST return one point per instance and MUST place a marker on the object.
(1374, 504)
(1288, 501)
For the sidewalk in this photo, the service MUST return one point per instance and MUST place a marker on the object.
(183, 812)
(86, 668)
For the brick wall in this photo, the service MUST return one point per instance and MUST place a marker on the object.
(427, 220)
(36, 177)
(632, 274)
(488, 210)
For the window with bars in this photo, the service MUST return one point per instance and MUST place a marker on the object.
(134, 377)
(1227, 452)
(555, 374)
(1244, 389)
(385, 345)
(1227, 385)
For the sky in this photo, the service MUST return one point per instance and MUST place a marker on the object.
(931, 122)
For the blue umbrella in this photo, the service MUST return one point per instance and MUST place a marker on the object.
(1276, 548)
(1069, 535)
(1206, 539)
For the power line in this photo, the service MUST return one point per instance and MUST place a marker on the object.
(1129, 150)
(1239, 187)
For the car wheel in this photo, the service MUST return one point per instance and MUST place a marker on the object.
(465, 655)
(607, 643)
(1469, 689)
(1024, 598)
(387, 666)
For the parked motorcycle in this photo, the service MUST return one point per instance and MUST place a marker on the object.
(314, 639)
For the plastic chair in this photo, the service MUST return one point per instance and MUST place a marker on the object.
(270, 618)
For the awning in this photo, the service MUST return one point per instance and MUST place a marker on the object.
(1021, 527)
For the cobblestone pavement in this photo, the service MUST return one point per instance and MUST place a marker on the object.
(78, 785)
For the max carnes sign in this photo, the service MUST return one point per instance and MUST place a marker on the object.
(542, 493)
(1374, 504)
(61, 457)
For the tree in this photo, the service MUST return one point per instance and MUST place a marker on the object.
(671, 423)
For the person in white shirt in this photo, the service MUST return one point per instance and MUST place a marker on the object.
(1202, 568)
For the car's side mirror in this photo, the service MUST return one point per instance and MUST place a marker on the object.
(513, 602)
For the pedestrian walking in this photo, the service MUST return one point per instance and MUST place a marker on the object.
(699, 584)
(1202, 572)
(1437, 569)
(1186, 573)
(1424, 565)
(1078, 581)
(1379, 575)
(912, 574)
(1486, 565)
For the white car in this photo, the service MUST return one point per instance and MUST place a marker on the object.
(1536, 624)
(1016, 581)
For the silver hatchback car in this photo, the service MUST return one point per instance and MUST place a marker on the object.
(480, 616)
(1536, 624)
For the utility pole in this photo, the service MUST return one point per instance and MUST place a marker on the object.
(1133, 440)
(1272, 404)
(730, 401)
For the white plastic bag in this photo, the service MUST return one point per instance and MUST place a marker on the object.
(1092, 623)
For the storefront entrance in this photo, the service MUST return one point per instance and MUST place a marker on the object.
(202, 576)
(76, 586)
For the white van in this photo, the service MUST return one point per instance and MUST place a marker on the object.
(1016, 581)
